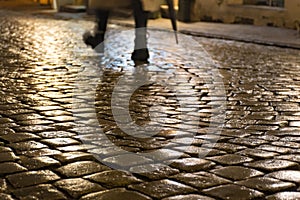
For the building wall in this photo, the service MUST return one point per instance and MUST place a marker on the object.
(234, 11)
(293, 14)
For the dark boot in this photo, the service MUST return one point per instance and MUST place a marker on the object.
(97, 38)
(140, 52)
(93, 40)
(141, 55)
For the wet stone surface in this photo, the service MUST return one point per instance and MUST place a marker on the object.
(237, 172)
(267, 184)
(32, 178)
(77, 187)
(116, 194)
(189, 197)
(192, 164)
(43, 191)
(10, 168)
(43, 154)
(81, 168)
(231, 159)
(5, 196)
(163, 188)
(234, 192)
(286, 175)
(113, 178)
(39, 162)
(201, 179)
(284, 195)
(272, 165)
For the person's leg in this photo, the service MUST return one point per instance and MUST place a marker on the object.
(101, 19)
(95, 39)
(140, 52)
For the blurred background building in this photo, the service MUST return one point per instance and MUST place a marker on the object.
(278, 13)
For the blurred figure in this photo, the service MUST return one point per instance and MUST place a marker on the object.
(140, 12)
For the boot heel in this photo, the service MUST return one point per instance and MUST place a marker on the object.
(140, 55)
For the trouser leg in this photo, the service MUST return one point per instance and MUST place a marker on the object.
(140, 18)
(97, 38)
(140, 42)
(101, 20)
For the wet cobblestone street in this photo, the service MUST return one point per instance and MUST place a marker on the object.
(44, 156)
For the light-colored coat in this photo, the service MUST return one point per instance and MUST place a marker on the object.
(148, 5)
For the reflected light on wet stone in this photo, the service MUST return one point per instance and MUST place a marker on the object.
(295, 123)
(287, 175)
(284, 196)
(36, 97)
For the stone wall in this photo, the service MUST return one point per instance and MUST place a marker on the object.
(234, 11)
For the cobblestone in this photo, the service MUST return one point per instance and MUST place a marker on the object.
(40, 152)
(10, 168)
(272, 164)
(76, 148)
(127, 161)
(233, 192)
(81, 168)
(266, 184)
(4, 149)
(77, 187)
(7, 156)
(32, 178)
(39, 162)
(237, 172)
(28, 145)
(293, 157)
(158, 171)
(192, 164)
(3, 185)
(231, 159)
(287, 175)
(113, 178)
(73, 156)
(162, 188)
(18, 137)
(284, 196)
(116, 194)
(43, 191)
(44, 156)
(189, 197)
(275, 149)
(257, 153)
(56, 134)
(5, 196)
(56, 142)
(201, 179)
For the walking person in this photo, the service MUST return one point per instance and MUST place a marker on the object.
(140, 12)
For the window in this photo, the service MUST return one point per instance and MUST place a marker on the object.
(273, 3)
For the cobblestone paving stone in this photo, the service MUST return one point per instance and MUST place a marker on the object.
(43, 157)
